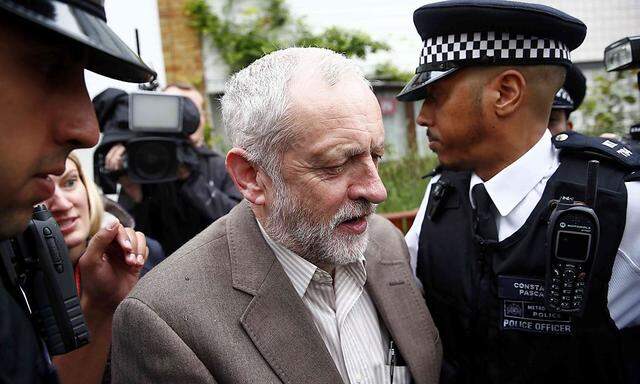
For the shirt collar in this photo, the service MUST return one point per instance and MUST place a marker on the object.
(301, 271)
(511, 185)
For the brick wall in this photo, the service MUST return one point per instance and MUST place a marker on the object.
(181, 45)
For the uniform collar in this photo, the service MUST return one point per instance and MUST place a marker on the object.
(511, 185)
(301, 271)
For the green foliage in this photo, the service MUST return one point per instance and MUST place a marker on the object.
(611, 105)
(268, 27)
(351, 43)
(217, 142)
(404, 183)
(388, 72)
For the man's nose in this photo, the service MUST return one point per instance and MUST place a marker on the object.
(425, 117)
(76, 124)
(368, 186)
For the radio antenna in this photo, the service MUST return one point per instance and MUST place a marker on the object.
(137, 42)
(591, 192)
(153, 84)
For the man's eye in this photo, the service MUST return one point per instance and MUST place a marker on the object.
(376, 158)
(335, 170)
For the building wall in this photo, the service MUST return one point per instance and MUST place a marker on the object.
(181, 45)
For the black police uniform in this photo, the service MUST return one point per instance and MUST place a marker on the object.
(468, 277)
(23, 358)
(488, 334)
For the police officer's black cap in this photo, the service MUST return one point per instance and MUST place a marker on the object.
(461, 33)
(84, 22)
(570, 96)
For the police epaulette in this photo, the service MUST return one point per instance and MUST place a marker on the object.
(607, 148)
(635, 176)
(435, 171)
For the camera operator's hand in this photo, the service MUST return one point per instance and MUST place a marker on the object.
(115, 162)
(115, 158)
(109, 267)
(183, 172)
(132, 189)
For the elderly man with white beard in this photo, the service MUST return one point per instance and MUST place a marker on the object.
(301, 282)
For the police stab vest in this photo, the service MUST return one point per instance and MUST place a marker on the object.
(488, 302)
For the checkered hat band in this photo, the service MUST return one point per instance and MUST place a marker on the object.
(499, 46)
(564, 95)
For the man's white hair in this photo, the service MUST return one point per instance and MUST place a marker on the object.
(257, 108)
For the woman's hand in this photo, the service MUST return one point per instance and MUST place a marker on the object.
(109, 268)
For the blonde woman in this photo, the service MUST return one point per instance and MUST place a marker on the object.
(103, 278)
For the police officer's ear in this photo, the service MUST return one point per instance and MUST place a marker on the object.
(506, 92)
(246, 175)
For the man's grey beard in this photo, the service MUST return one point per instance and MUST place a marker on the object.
(291, 223)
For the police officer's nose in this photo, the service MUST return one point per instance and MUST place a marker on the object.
(425, 117)
(75, 121)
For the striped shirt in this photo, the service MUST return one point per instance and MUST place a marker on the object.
(344, 315)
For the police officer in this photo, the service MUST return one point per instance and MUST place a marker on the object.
(567, 99)
(488, 74)
(45, 112)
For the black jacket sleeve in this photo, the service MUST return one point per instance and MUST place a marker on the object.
(210, 189)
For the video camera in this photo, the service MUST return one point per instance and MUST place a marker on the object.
(154, 128)
(622, 55)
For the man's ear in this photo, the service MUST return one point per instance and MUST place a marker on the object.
(245, 176)
(569, 125)
(509, 87)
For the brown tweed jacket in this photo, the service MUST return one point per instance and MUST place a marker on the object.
(222, 310)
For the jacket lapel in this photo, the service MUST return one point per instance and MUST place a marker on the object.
(402, 308)
(276, 319)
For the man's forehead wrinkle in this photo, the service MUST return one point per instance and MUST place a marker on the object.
(355, 140)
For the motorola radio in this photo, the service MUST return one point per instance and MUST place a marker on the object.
(572, 240)
(37, 266)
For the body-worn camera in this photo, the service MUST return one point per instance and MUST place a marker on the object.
(572, 240)
(621, 55)
(154, 128)
(37, 268)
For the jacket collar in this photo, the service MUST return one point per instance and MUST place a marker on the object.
(276, 319)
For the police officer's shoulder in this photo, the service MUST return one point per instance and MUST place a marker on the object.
(633, 176)
(436, 171)
(571, 142)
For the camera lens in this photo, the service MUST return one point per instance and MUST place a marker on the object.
(152, 160)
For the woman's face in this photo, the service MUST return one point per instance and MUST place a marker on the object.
(70, 206)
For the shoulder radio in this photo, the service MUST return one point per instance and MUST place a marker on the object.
(572, 240)
(37, 266)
